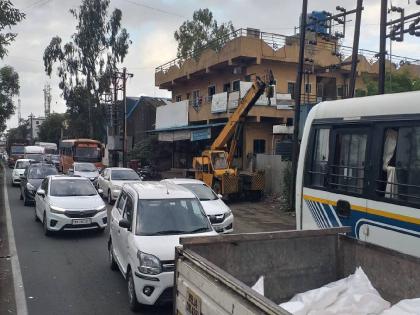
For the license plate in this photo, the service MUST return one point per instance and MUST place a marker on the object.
(81, 221)
(193, 306)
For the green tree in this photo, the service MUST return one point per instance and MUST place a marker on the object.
(9, 16)
(9, 87)
(17, 135)
(50, 130)
(90, 60)
(145, 150)
(395, 82)
(203, 31)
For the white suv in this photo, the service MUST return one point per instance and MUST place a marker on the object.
(219, 213)
(147, 222)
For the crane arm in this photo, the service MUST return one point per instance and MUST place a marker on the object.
(245, 105)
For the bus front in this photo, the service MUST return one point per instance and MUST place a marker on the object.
(88, 152)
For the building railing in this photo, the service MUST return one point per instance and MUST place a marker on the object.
(277, 41)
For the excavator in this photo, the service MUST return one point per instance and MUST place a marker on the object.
(214, 166)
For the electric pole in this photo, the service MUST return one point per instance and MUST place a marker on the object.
(382, 47)
(125, 117)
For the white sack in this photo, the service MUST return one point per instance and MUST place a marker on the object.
(404, 307)
(353, 295)
(259, 286)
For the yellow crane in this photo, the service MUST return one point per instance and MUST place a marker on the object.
(214, 166)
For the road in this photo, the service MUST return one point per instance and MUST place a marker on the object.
(67, 273)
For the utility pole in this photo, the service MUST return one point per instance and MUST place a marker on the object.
(19, 112)
(125, 117)
(31, 117)
(382, 47)
(355, 53)
(298, 88)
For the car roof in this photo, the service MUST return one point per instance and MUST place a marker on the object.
(24, 160)
(59, 176)
(119, 168)
(38, 164)
(181, 181)
(159, 190)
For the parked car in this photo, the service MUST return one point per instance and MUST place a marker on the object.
(146, 224)
(112, 178)
(84, 169)
(32, 178)
(69, 203)
(19, 170)
(218, 212)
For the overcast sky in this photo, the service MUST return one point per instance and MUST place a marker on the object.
(151, 24)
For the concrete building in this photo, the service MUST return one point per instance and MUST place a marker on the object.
(33, 123)
(206, 89)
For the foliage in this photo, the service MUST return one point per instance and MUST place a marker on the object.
(9, 87)
(17, 135)
(203, 31)
(50, 130)
(9, 16)
(395, 82)
(145, 150)
(89, 61)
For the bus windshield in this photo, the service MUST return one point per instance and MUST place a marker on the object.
(17, 149)
(90, 153)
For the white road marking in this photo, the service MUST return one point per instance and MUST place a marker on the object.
(21, 307)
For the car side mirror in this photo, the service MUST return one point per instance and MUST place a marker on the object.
(220, 196)
(41, 192)
(124, 224)
(100, 191)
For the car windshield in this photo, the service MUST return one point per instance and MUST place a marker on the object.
(67, 187)
(55, 158)
(21, 164)
(171, 217)
(85, 167)
(203, 192)
(124, 175)
(219, 160)
(35, 156)
(41, 172)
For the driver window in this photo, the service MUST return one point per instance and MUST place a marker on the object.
(121, 201)
(44, 185)
(128, 210)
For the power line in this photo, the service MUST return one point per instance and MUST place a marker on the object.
(154, 8)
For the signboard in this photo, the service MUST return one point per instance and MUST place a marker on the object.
(201, 134)
(219, 103)
(172, 136)
(172, 115)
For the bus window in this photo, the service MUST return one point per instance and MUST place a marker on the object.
(401, 165)
(318, 165)
(348, 169)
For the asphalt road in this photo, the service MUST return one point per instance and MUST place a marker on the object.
(67, 273)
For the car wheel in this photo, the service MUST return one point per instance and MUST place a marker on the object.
(111, 259)
(47, 232)
(109, 197)
(132, 297)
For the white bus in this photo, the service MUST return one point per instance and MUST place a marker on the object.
(359, 166)
(34, 152)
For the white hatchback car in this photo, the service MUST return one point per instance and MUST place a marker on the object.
(218, 212)
(111, 180)
(147, 222)
(69, 203)
(19, 170)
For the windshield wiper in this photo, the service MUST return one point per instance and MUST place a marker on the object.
(203, 229)
(168, 232)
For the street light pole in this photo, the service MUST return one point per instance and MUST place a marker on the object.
(125, 117)
(382, 47)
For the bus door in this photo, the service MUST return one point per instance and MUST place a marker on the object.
(336, 177)
(393, 210)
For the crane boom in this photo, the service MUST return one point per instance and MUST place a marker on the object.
(245, 105)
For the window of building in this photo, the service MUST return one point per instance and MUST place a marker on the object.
(211, 90)
(291, 89)
(289, 122)
(178, 98)
(308, 88)
(340, 91)
(36, 122)
(318, 165)
(259, 146)
(236, 85)
(248, 78)
(348, 166)
(399, 178)
(226, 87)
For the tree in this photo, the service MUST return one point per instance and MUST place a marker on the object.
(395, 82)
(89, 61)
(145, 150)
(17, 135)
(9, 16)
(9, 87)
(50, 130)
(202, 32)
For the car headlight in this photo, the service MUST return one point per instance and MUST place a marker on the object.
(228, 213)
(58, 210)
(101, 208)
(149, 264)
(29, 186)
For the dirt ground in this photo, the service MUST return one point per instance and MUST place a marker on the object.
(262, 216)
